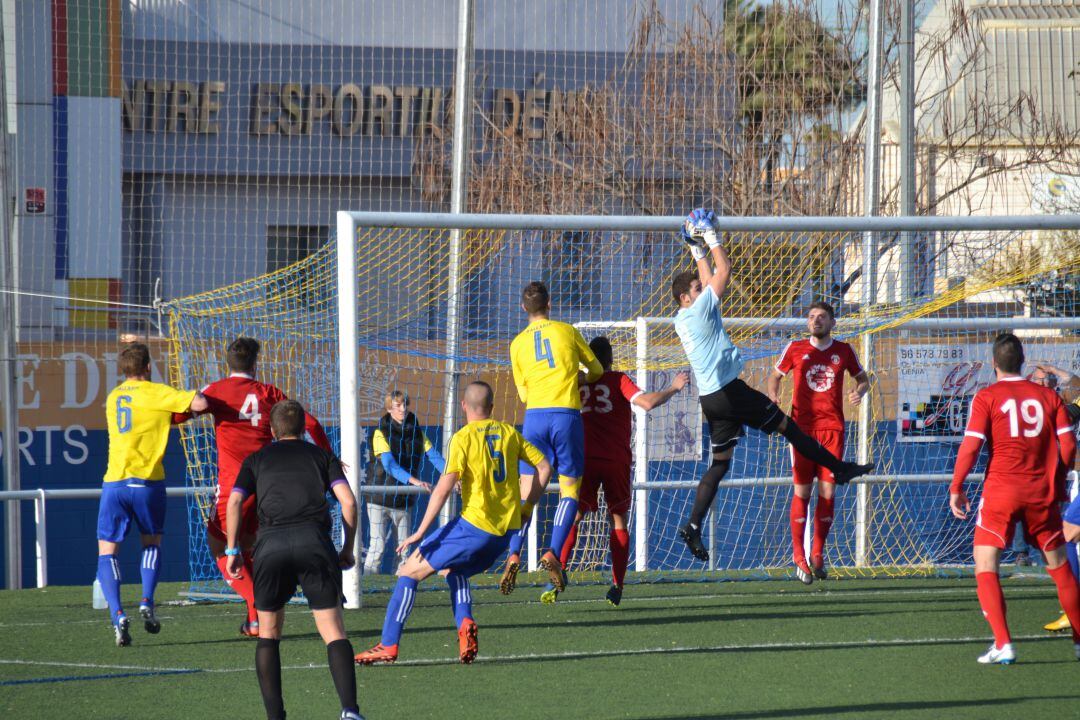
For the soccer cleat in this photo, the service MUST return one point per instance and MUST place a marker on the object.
(249, 629)
(121, 629)
(468, 646)
(849, 471)
(550, 595)
(802, 571)
(378, 654)
(1005, 655)
(614, 595)
(692, 537)
(150, 621)
(1060, 625)
(817, 564)
(554, 568)
(351, 715)
(508, 581)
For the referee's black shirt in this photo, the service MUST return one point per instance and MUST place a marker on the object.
(289, 480)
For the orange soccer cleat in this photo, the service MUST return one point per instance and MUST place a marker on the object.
(550, 562)
(468, 646)
(378, 654)
(508, 581)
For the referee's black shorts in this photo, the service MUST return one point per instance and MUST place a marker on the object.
(731, 407)
(291, 555)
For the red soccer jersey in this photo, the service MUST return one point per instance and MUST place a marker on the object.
(1021, 423)
(606, 414)
(817, 400)
(241, 407)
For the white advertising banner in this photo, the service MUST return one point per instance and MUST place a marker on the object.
(936, 382)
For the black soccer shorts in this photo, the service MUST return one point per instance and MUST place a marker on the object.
(731, 407)
(299, 554)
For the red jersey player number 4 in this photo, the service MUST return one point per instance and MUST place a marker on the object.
(241, 406)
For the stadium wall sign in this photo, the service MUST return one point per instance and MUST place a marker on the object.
(294, 108)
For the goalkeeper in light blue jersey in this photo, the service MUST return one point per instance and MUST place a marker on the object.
(726, 401)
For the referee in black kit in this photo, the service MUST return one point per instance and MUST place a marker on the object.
(289, 479)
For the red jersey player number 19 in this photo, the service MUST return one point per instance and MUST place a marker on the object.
(1031, 446)
(1022, 422)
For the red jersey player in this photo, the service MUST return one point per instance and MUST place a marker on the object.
(241, 408)
(817, 406)
(1031, 445)
(606, 413)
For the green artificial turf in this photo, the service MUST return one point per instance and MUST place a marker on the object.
(841, 648)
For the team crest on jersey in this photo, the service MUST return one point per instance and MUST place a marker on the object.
(835, 359)
(820, 378)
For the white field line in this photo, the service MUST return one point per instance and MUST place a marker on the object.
(795, 593)
(578, 655)
(92, 666)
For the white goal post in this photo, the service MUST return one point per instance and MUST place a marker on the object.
(348, 224)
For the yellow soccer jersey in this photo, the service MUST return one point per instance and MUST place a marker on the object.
(485, 456)
(545, 358)
(138, 414)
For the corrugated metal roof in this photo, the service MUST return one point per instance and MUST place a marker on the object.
(1027, 9)
(1030, 47)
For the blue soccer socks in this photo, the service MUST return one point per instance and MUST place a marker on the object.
(108, 574)
(398, 609)
(460, 597)
(564, 523)
(151, 563)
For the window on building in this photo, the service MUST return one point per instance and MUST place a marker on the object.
(288, 244)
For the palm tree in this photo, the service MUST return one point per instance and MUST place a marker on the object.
(790, 72)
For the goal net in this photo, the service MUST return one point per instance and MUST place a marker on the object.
(929, 355)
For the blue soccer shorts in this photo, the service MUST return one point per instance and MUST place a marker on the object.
(462, 547)
(560, 435)
(1072, 513)
(125, 500)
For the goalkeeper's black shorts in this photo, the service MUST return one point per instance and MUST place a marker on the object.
(731, 407)
(296, 555)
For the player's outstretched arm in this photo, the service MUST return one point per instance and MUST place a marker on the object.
(648, 401)
(700, 228)
(199, 403)
(719, 279)
(439, 494)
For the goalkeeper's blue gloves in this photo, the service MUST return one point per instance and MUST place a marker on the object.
(700, 226)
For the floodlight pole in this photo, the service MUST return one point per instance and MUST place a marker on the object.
(872, 199)
(8, 354)
(459, 192)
